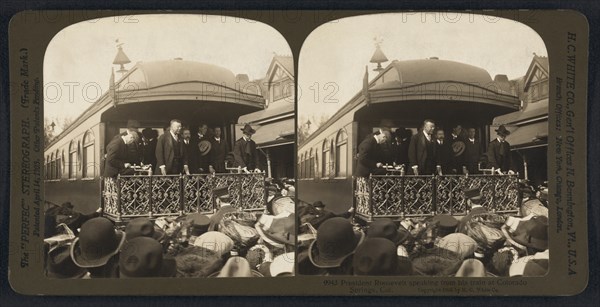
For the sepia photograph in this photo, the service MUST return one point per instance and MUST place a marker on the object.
(422, 147)
(169, 149)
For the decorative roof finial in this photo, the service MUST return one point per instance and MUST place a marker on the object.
(378, 57)
(121, 58)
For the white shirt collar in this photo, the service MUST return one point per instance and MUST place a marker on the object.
(427, 135)
(173, 135)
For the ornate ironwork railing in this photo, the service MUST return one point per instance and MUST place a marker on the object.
(404, 196)
(164, 195)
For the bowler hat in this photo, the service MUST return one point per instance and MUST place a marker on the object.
(336, 240)
(143, 227)
(248, 129)
(318, 204)
(502, 131)
(375, 256)
(386, 228)
(61, 265)
(98, 241)
(143, 257)
(281, 204)
(446, 224)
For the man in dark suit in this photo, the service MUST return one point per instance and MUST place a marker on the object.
(170, 153)
(370, 155)
(472, 152)
(218, 152)
(457, 143)
(498, 151)
(202, 150)
(244, 151)
(190, 149)
(443, 152)
(116, 156)
(421, 151)
(400, 146)
(149, 136)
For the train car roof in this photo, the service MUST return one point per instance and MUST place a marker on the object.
(411, 73)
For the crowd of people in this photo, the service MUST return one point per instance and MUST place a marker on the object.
(178, 151)
(429, 151)
(480, 244)
(226, 243)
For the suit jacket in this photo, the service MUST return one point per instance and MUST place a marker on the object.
(463, 222)
(471, 155)
(150, 152)
(217, 154)
(499, 155)
(201, 161)
(165, 153)
(191, 151)
(369, 154)
(417, 152)
(444, 156)
(135, 151)
(116, 156)
(245, 154)
(400, 152)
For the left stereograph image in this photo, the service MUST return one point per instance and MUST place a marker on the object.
(169, 149)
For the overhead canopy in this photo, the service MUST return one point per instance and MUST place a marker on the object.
(275, 133)
(528, 136)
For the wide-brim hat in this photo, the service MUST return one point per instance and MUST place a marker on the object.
(281, 204)
(336, 241)
(59, 264)
(386, 228)
(277, 230)
(195, 261)
(236, 267)
(532, 233)
(204, 146)
(199, 223)
(282, 264)
(143, 257)
(436, 262)
(98, 241)
(248, 129)
(446, 224)
(143, 227)
(534, 207)
(215, 241)
(459, 243)
(502, 130)
(471, 268)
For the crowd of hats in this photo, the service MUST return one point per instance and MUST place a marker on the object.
(226, 243)
(480, 244)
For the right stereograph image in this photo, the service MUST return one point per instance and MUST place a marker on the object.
(422, 147)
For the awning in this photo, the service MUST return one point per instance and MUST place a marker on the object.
(275, 133)
(533, 135)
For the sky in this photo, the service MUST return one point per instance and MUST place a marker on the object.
(333, 58)
(78, 60)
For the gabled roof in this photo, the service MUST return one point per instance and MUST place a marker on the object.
(285, 62)
(539, 62)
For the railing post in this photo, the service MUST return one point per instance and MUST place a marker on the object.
(102, 205)
(434, 193)
(118, 186)
(150, 198)
(370, 191)
(181, 193)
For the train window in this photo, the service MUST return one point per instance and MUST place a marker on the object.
(312, 164)
(52, 163)
(72, 159)
(341, 149)
(58, 162)
(326, 158)
(89, 165)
